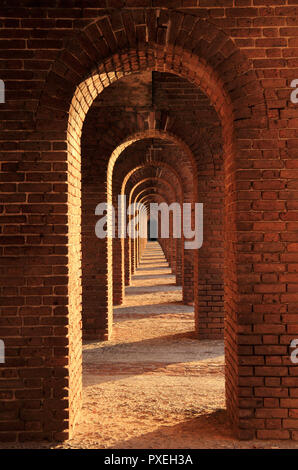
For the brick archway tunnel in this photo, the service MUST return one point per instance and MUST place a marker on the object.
(110, 98)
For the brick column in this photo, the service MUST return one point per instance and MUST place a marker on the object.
(96, 268)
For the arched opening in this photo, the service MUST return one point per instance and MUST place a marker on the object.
(207, 68)
(242, 138)
(151, 166)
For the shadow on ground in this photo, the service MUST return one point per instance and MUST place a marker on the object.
(141, 311)
(192, 433)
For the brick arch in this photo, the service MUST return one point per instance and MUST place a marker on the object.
(162, 187)
(189, 47)
(132, 197)
(182, 262)
(173, 250)
(153, 190)
(188, 131)
(150, 179)
(122, 271)
(186, 260)
(121, 263)
(151, 133)
(151, 196)
(187, 42)
(154, 197)
(93, 327)
(168, 188)
(123, 268)
(153, 163)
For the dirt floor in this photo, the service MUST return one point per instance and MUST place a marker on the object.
(154, 386)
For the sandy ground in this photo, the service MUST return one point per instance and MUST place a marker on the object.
(154, 386)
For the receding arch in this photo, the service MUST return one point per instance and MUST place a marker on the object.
(156, 163)
(147, 179)
(150, 133)
(209, 59)
(127, 266)
(133, 196)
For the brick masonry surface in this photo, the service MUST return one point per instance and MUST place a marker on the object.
(170, 100)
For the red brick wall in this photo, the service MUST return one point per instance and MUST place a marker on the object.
(210, 306)
(243, 57)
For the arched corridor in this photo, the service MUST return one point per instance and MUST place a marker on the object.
(153, 381)
(108, 111)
